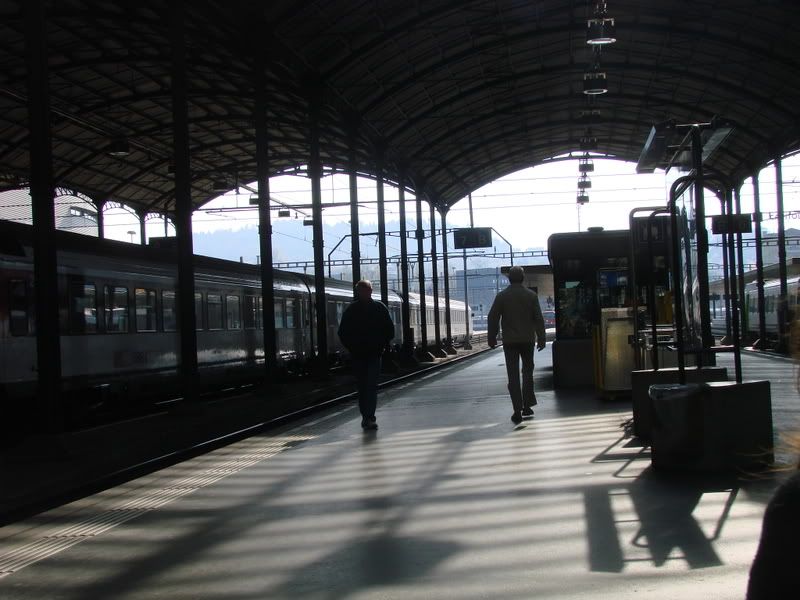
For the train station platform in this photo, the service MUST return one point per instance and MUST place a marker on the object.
(447, 499)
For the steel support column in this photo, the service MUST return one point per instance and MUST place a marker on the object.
(355, 237)
(315, 173)
(101, 221)
(762, 325)
(183, 202)
(264, 215)
(734, 317)
(726, 282)
(437, 330)
(382, 267)
(740, 269)
(422, 340)
(408, 334)
(45, 273)
(783, 305)
(142, 216)
(448, 343)
(702, 246)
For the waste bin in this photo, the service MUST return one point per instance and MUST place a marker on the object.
(678, 424)
(714, 426)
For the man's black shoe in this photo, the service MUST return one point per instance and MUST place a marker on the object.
(527, 411)
(368, 423)
(516, 418)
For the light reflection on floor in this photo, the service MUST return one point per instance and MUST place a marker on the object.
(562, 507)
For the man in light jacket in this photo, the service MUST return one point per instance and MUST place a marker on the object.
(516, 311)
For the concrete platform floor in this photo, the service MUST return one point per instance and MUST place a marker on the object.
(448, 499)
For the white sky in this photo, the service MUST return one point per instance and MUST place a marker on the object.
(524, 208)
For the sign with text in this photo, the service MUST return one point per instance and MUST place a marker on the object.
(472, 237)
(721, 224)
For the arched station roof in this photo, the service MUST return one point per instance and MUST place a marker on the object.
(452, 93)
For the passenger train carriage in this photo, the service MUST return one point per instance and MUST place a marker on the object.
(772, 292)
(118, 319)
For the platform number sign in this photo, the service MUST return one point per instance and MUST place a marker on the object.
(472, 237)
(722, 224)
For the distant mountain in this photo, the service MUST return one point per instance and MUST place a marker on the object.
(769, 251)
(292, 243)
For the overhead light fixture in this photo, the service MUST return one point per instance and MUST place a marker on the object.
(589, 115)
(588, 142)
(713, 137)
(219, 185)
(652, 154)
(584, 183)
(585, 165)
(595, 83)
(582, 198)
(119, 146)
(601, 31)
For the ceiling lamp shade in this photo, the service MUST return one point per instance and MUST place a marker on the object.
(585, 165)
(594, 83)
(601, 31)
(119, 147)
(584, 183)
(589, 116)
(588, 142)
(582, 198)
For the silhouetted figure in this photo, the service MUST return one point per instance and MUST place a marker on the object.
(366, 330)
(773, 574)
(517, 312)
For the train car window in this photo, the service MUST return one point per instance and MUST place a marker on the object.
(169, 317)
(145, 303)
(82, 308)
(279, 322)
(116, 309)
(340, 306)
(250, 312)
(259, 312)
(290, 313)
(198, 311)
(214, 311)
(332, 313)
(233, 312)
(18, 307)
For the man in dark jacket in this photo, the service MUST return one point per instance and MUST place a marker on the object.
(516, 310)
(366, 330)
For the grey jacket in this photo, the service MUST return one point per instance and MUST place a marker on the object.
(516, 311)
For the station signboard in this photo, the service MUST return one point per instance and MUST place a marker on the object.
(722, 224)
(472, 237)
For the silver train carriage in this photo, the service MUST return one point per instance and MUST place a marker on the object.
(458, 319)
(772, 293)
(118, 318)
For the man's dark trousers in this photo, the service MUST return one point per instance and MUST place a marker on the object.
(520, 397)
(367, 371)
